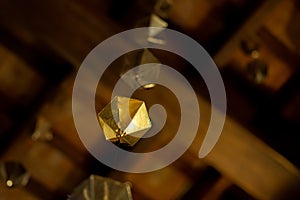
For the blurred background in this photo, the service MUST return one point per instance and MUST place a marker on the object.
(256, 46)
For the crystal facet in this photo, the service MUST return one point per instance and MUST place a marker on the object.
(124, 120)
(13, 174)
(97, 187)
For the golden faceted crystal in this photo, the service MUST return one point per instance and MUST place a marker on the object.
(124, 120)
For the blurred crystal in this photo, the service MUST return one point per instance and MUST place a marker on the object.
(13, 174)
(154, 34)
(124, 120)
(42, 130)
(98, 188)
(156, 21)
(257, 70)
(163, 7)
(250, 46)
(141, 74)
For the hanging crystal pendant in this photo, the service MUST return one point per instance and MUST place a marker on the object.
(124, 120)
(13, 174)
(97, 187)
(145, 56)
